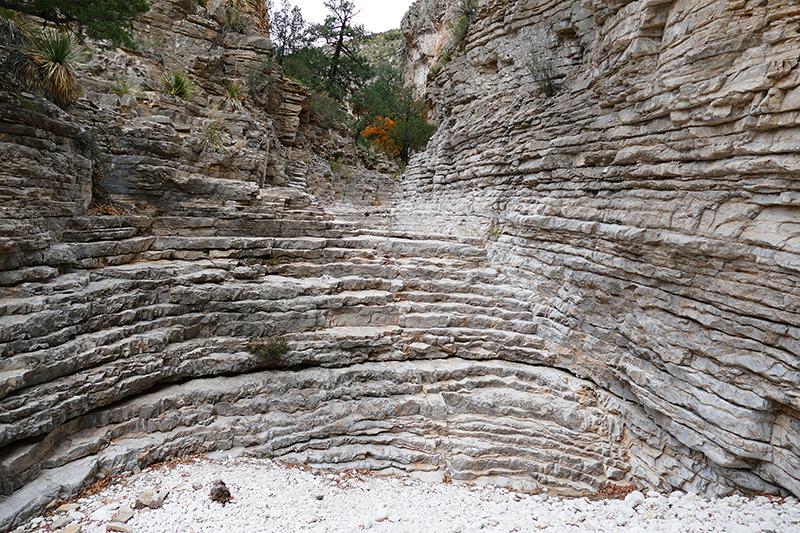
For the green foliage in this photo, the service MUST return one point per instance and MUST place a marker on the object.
(234, 19)
(468, 9)
(288, 31)
(495, 231)
(326, 111)
(337, 166)
(180, 85)
(327, 57)
(107, 21)
(202, 3)
(52, 57)
(212, 140)
(270, 350)
(307, 65)
(543, 73)
(258, 75)
(413, 133)
(122, 87)
(234, 93)
(459, 30)
(467, 13)
(444, 58)
(393, 120)
(382, 48)
(370, 157)
(347, 69)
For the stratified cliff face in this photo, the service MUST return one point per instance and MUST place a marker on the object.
(649, 207)
(594, 287)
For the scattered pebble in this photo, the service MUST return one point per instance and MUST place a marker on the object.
(274, 498)
(151, 498)
(124, 514)
(220, 493)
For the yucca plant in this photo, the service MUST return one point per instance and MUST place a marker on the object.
(121, 87)
(180, 85)
(468, 9)
(53, 55)
(543, 73)
(234, 93)
(234, 21)
(213, 141)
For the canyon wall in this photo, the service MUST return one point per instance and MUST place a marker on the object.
(562, 292)
(650, 206)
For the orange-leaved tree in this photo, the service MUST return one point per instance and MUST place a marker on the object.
(382, 134)
(389, 117)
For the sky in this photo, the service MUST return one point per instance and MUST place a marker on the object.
(376, 16)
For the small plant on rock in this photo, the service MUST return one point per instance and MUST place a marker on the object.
(180, 85)
(338, 166)
(52, 58)
(234, 20)
(326, 111)
(122, 87)
(543, 73)
(258, 75)
(234, 90)
(213, 140)
(269, 350)
(494, 232)
(467, 13)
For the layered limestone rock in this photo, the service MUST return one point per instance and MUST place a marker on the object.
(597, 286)
(648, 205)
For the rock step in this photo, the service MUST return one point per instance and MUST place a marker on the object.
(55, 402)
(472, 419)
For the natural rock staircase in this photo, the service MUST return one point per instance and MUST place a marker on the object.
(136, 351)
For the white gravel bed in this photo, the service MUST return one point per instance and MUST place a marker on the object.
(273, 498)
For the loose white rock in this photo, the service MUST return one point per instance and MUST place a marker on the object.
(272, 498)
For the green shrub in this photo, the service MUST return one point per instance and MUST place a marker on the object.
(269, 350)
(543, 73)
(52, 58)
(234, 20)
(234, 93)
(370, 157)
(326, 111)
(337, 166)
(180, 85)
(212, 140)
(122, 87)
(234, 90)
(459, 30)
(467, 12)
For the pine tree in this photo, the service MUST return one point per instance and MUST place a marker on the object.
(107, 20)
(347, 70)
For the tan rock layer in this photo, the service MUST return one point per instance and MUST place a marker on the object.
(648, 205)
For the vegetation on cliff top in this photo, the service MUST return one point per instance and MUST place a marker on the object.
(347, 68)
(108, 20)
(40, 59)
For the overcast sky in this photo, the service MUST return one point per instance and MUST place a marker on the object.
(376, 16)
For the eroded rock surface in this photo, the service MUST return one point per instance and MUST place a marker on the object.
(597, 286)
(647, 205)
